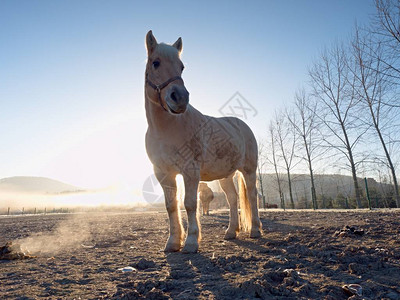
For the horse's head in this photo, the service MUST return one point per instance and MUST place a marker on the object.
(164, 84)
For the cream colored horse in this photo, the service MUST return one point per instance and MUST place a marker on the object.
(206, 195)
(181, 140)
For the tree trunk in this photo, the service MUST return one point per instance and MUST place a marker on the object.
(355, 182)
(290, 189)
(313, 194)
(279, 188)
(261, 186)
(352, 166)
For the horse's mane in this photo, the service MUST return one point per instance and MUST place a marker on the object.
(167, 51)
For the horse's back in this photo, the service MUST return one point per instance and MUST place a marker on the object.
(240, 127)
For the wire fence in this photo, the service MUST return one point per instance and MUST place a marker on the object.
(20, 211)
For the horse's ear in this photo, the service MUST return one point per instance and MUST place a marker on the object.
(178, 45)
(151, 42)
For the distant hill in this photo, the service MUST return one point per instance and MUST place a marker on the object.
(35, 185)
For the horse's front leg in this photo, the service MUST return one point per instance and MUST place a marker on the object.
(193, 234)
(175, 238)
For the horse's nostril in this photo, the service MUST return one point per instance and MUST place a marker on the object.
(173, 96)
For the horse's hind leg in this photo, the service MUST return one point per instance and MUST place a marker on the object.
(250, 179)
(228, 187)
(168, 183)
(207, 207)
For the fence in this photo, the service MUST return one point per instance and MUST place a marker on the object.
(13, 211)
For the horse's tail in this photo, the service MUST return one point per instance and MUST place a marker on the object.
(245, 210)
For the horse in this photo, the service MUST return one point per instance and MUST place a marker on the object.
(181, 140)
(205, 195)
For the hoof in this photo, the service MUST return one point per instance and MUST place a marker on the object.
(255, 234)
(190, 248)
(172, 246)
(230, 235)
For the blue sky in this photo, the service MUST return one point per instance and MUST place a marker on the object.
(72, 73)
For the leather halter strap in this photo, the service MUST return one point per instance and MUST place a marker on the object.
(159, 87)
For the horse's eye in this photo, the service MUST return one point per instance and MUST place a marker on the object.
(156, 64)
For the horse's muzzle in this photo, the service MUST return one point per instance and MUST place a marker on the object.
(177, 99)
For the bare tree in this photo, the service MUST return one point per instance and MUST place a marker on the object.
(262, 160)
(274, 161)
(305, 126)
(386, 30)
(372, 87)
(285, 134)
(332, 86)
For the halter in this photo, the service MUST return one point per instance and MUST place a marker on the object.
(159, 87)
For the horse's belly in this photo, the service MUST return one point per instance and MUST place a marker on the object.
(216, 171)
(221, 162)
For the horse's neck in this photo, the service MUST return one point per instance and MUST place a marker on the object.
(156, 116)
(164, 124)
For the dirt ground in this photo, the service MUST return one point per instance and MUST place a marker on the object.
(302, 255)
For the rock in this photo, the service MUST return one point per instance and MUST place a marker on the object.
(290, 273)
(352, 289)
(127, 269)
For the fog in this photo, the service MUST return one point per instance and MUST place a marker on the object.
(109, 197)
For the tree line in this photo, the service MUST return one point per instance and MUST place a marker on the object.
(346, 117)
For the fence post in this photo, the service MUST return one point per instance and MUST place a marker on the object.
(34, 211)
(366, 190)
(23, 210)
(8, 211)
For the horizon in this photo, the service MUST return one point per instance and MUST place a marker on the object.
(55, 194)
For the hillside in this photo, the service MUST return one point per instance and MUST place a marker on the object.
(35, 185)
(328, 187)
